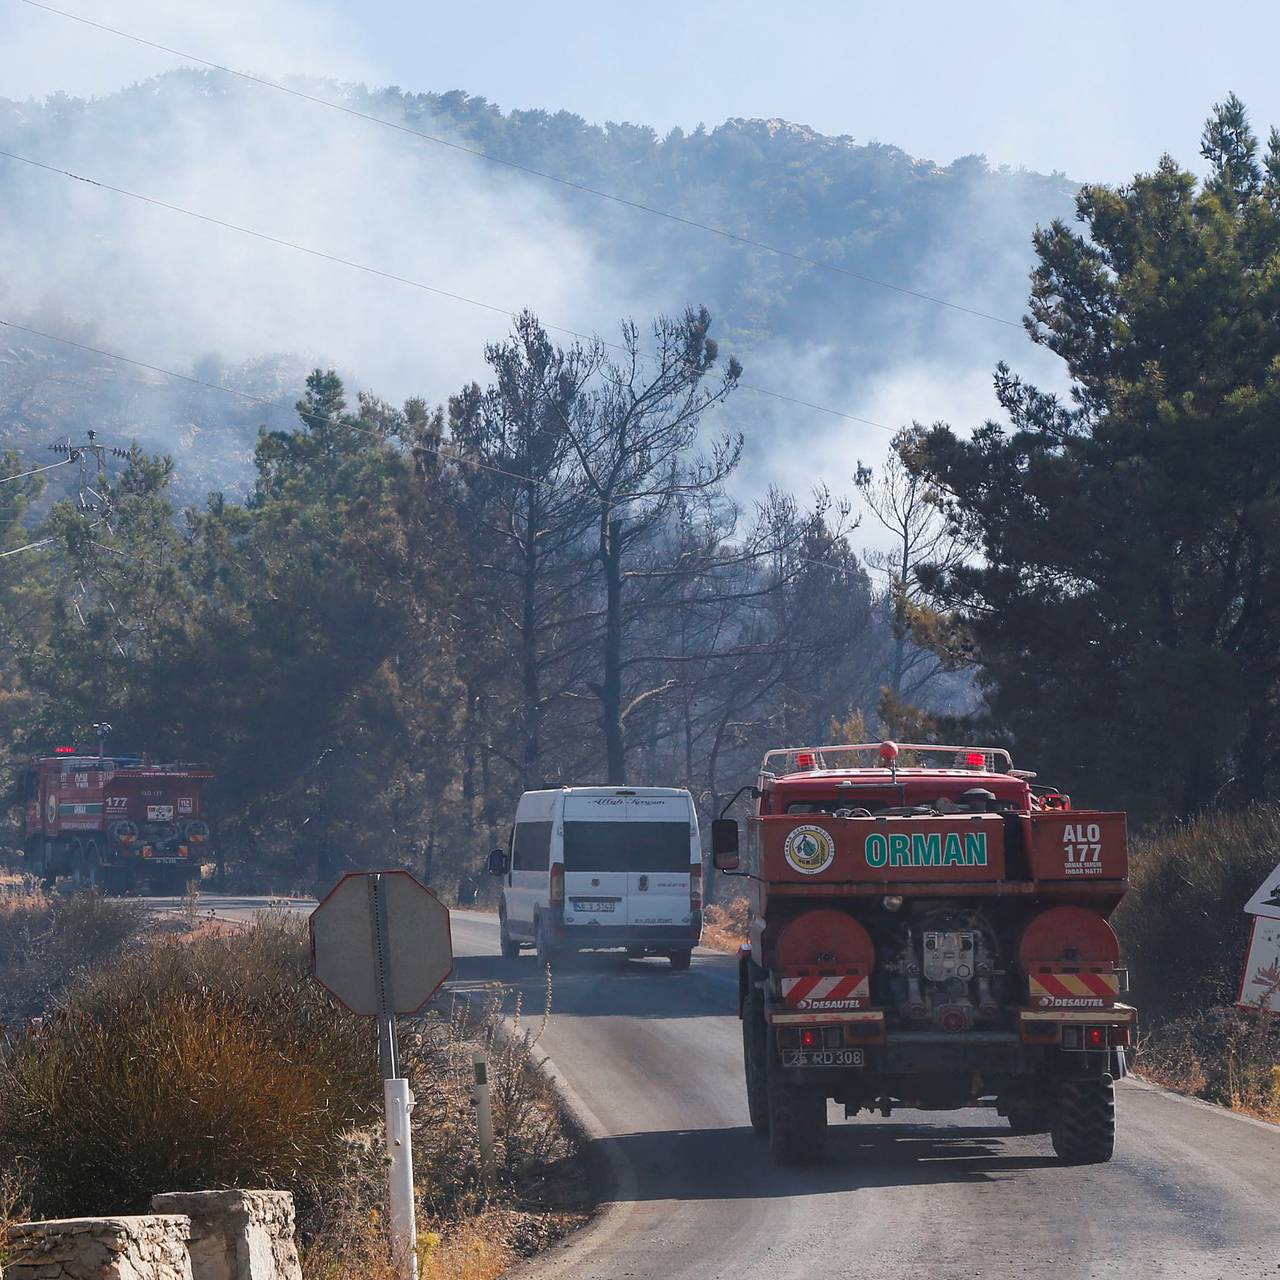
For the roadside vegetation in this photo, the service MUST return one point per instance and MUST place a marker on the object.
(1184, 935)
(204, 1061)
(47, 941)
(724, 924)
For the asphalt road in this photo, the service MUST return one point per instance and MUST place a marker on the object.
(653, 1059)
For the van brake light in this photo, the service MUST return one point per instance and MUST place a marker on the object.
(557, 884)
(695, 888)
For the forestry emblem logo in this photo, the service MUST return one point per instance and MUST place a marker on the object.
(810, 850)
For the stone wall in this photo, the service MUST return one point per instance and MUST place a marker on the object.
(149, 1247)
(195, 1235)
(237, 1235)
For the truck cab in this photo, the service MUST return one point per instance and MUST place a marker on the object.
(929, 930)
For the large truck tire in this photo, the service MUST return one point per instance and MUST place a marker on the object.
(509, 947)
(797, 1117)
(84, 866)
(1084, 1121)
(681, 958)
(755, 1047)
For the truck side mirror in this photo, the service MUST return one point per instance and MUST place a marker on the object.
(497, 862)
(724, 844)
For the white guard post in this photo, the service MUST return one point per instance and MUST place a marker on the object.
(404, 1225)
(484, 1114)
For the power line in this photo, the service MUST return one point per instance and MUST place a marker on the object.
(506, 312)
(44, 542)
(331, 418)
(35, 471)
(723, 232)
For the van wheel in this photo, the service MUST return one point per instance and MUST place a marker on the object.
(680, 959)
(548, 952)
(510, 949)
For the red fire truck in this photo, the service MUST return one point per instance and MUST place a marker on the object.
(115, 822)
(928, 931)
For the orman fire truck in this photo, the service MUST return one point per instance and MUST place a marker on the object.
(929, 930)
(115, 822)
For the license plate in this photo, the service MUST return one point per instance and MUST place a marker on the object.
(822, 1058)
(594, 906)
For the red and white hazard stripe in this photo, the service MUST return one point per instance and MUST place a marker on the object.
(1065, 986)
(809, 991)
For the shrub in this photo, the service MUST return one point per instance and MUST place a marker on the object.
(187, 1065)
(46, 941)
(214, 1061)
(1185, 935)
(1182, 923)
(725, 924)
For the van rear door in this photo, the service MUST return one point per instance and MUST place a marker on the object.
(660, 849)
(627, 859)
(595, 881)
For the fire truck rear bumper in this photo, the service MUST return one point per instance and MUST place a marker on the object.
(1011, 1050)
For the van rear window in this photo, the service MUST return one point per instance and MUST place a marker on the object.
(626, 846)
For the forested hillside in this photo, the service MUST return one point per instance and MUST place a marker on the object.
(101, 268)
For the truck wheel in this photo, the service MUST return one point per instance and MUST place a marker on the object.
(510, 949)
(1084, 1121)
(680, 959)
(84, 869)
(797, 1116)
(755, 1044)
(92, 873)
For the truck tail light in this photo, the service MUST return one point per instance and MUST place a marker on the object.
(557, 885)
(695, 889)
(1095, 1037)
(810, 1038)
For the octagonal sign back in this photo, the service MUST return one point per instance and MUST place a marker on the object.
(418, 946)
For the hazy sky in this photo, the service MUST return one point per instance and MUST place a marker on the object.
(1093, 89)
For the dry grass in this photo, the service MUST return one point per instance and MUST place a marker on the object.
(13, 1207)
(1223, 1055)
(724, 925)
(478, 1248)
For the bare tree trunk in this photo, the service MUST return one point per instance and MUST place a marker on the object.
(611, 687)
(530, 675)
(469, 754)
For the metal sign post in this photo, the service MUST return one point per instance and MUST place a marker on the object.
(397, 1098)
(383, 947)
